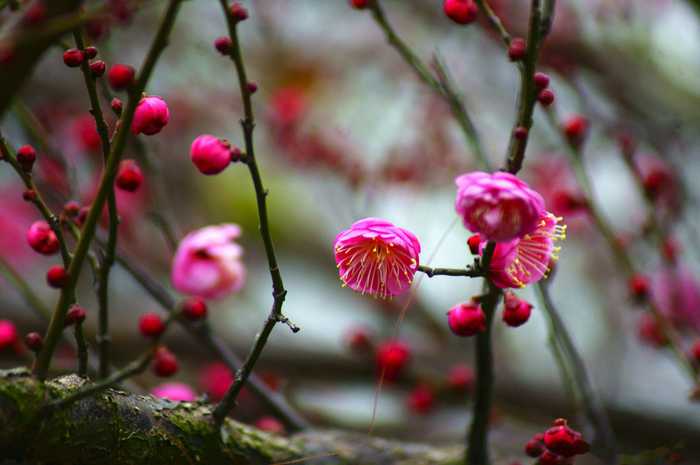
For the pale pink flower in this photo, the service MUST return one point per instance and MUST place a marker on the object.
(151, 116)
(377, 258)
(676, 293)
(498, 206)
(208, 262)
(178, 392)
(526, 260)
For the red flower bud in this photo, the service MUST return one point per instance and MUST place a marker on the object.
(223, 44)
(116, 105)
(466, 319)
(639, 286)
(71, 208)
(516, 311)
(129, 176)
(151, 325)
(97, 68)
(164, 362)
(562, 440)
(34, 341)
(26, 156)
(73, 57)
(42, 239)
(517, 49)
(238, 12)
(575, 129)
(90, 52)
(194, 308)
(520, 133)
(359, 339)
(421, 400)
(121, 76)
(57, 277)
(541, 80)
(460, 11)
(473, 243)
(359, 4)
(8, 334)
(75, 315)
(29, 195)
(460, 378)
(546, 97)
(392, 358)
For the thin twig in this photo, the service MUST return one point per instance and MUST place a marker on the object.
(119, 142)
(468, 272)
(103, 337)
(278, 291)
(82, 349)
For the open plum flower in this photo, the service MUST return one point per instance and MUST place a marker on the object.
(377, 258)
(526, 260)
(208, 262)
(499, 206)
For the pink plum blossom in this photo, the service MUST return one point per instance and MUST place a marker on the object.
(377, 258)
(179, 392)
(526, 260)
(498, 206)
(676, 292)
(151, 116)
(208, 263)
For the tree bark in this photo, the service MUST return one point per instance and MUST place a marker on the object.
(118, 428)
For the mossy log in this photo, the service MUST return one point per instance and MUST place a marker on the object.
(114, 427)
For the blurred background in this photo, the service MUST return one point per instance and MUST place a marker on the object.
(345, 130)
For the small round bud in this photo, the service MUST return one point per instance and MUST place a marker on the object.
(129, 176)
(517, 49)
(29, 195)
(116, 105)
(473, 243)
(194, 309)
(359, 4)
(541, 80)
(151, 325)
(90, 52)
(639, 286)
(26, 156)
(57, 277)
(34, 341)
(71, 208)
(97, 68)
(210, 154)
(223, 45)
(460, 11)
(516, 311)
(164, 362)
(238, 12)
(121, 76)
(73, 57)
(534, 448)
(392, 358)
(575, 129)
(562, 440)
(359, 339)
(695, 351)
(520, 133)
(270, 425)
(75, 315)
(8, 334)
(421, 400)
(546, 97)
(42, 238)
(252, 87)
(151, 116)
(460, 378)
(466, 319)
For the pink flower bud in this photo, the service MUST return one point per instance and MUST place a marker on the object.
(517, 49)
(208, 263)
(466, 319)
(516, 311)
(177, 392)
(151, 116)
(42, 239)
(460, 11)
(8, 334)
(223, 45)
(210, 154)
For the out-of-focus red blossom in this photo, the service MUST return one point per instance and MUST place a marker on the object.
(575, 129)
(676, 292)
(359, 4)
(392, 357)
(421, 400)
(34, 341)
(359, 339)
(85, 133)
(8, 334)
(553, 179)
(121, 76)
(129, 176)
(660, 181)
(287, 107)
(53, 173)
(151, 325)
(272, 380)
(130, 205)
(650, 332)
(670, 248)
(121, 10)
(215, 379)
(165, 363)
(177, 392)
(563, 440)
(194, 308)
(270, 425)
(461, 378)
(35, 14)
(695, 351)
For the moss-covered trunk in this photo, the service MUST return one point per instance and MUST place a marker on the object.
(119, 428)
